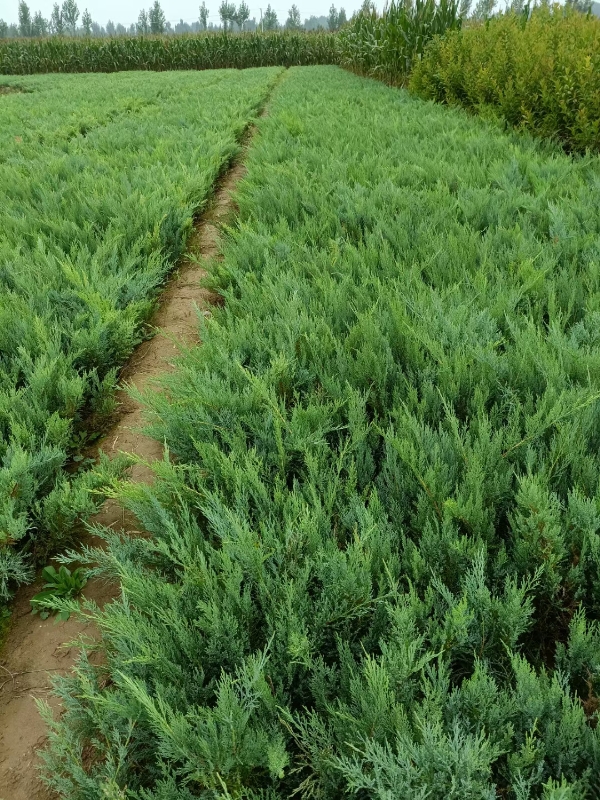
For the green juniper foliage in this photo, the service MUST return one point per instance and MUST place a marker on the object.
(388, 45)
(99, 184)
(373, 568)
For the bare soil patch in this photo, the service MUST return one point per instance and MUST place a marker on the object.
(11, 89)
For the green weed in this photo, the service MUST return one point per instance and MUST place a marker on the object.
(61, 584)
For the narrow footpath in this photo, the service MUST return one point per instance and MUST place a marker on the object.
(34, 649)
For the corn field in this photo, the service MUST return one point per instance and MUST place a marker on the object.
(382, 46)
(386, 46)
(206, 51)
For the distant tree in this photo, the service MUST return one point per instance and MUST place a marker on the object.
(367, 7)
(242, 15)
(39, 26)
(232, 15)
(203, 16)
(121, 30)
(228, 13)
(70, 15)
(156, 18)
(465, 7)
(131, 30)
(224, 13)
(86, 23)
(57, 24)
(110, 28)
(332, 19)
(342, 19)
(585, 6)
(24, 19)
(484, 9)
(3, 29)
(270, 21)
(315, 23)
(142, 23)
(38, 23)
(293, 22)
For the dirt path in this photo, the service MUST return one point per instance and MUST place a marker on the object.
(34, 649)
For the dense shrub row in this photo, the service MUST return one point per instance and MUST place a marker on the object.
(541, 75)
(99, 179)
(203, 51)
(374, 567)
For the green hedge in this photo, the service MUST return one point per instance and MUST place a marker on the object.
(541, 75)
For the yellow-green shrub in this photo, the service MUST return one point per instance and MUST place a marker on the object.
(541, 74)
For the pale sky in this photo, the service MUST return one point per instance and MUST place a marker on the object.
(126, 11)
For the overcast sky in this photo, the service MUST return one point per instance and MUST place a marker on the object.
(126, 11)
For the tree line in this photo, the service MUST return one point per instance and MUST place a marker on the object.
(66, 20)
